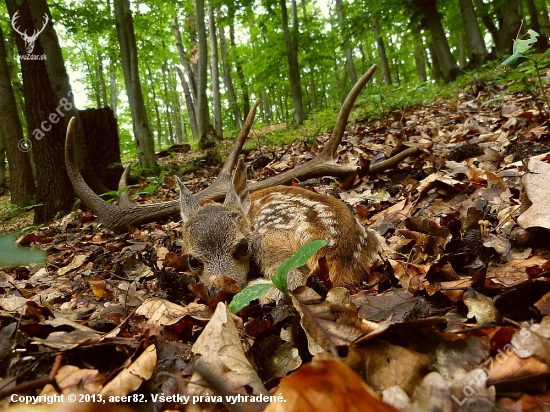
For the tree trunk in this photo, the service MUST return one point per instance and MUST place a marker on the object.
(313, 88)
(419, 55)
(2, 164)
(343, 29)
(447, 62)
(101, 78)
(205, 139)
(227, 78)
(476, 45)
(43, 111)
(381, 52)
(155, 106)
(436, 68)
(462, 61)
(542, 40)
(545, 28)
(101, 137)
(240, 72)
(293, 68)
(487, 20)
(267, 107)
(216, 98)
(128, 52)
(11, 135)
(185, 62)
(188, 103)
(509, 27)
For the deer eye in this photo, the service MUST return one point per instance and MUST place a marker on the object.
(193, 262)
(241, 250)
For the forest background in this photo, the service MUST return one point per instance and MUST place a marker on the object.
(154, 74)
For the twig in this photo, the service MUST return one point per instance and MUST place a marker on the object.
(37, 383)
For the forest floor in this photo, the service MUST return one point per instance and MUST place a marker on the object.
(458, 320)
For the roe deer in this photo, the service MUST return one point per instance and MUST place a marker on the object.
(269, 226)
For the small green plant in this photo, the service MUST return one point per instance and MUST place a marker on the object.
(521, 47)
(279, 280)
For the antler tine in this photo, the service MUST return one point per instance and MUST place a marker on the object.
(332, 146)
(13, 19)
(80, 186)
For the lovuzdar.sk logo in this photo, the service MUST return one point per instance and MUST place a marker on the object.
(29, 40)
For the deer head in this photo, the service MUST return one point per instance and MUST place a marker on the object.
(29, 40)
(217, 237)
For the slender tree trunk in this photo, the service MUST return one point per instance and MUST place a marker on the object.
(462, 61)
(227, 78)
(511, 22)
(487, 20)
(155, 105)
(436, 68)
(293, 68)
(185, 61)
(205, 140)
(313, 88)
(419, 55)
(542, 40)
(101, 79)
(2, 164)
(476, 45)
(381, 52)
(128, 51)
(349, 53)
(216, 98)
(112, 68)
(545, 19)
(240, 72)
(267, 106)
(92, 73)
(176, 121)
(188, 104)
(11, 135)
(447, 62)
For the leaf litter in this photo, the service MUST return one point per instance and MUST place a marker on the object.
(458, 320)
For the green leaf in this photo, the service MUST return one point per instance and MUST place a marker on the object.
(521, 46)
(298, 259)
(247, 295)
(514, 60)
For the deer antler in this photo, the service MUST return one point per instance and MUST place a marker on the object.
(119, 217)
(15, 16)
(36, 33)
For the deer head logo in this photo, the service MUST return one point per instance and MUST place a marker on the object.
(29, 40)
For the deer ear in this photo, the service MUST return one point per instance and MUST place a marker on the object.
(238, 191)
(188, 202)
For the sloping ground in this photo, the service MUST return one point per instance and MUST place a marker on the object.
(458, 318)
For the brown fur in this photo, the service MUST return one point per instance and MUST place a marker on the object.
(275, 223)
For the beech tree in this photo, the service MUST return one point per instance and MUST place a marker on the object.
(129, 57)
(22, 188)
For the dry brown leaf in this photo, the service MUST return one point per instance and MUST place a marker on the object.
(514, 272)
(331, 322)
(220, 347)
(162, 312)
(388, 365)
(75, 380)
(536, 184)
(326, 385)
(131, 378)
(481, 307)
(510, 366)
(78, 261)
